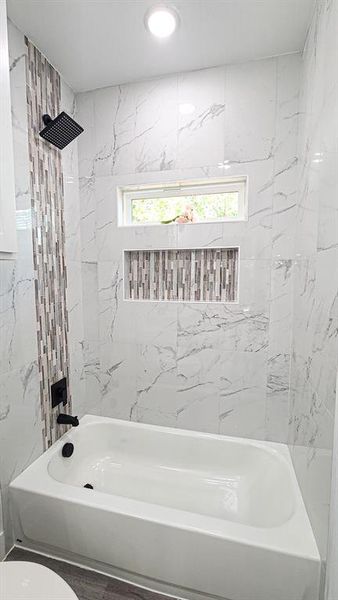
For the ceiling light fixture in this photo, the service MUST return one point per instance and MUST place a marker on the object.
(161, 21)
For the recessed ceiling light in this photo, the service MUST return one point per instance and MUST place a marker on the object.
(161, 21)
(187, 108)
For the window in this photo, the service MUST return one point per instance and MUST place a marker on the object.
(193, 202)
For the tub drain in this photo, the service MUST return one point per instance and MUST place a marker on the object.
(89, 486)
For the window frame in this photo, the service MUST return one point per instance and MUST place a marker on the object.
(184, 188)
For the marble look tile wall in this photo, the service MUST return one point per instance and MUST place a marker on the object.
(21, 432)
(213, 368)
(20, 420)
(315, 302)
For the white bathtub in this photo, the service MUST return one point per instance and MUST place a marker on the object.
(188, 514)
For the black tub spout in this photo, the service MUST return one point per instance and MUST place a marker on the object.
(67, 420)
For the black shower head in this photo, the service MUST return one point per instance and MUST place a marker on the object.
(60, 131)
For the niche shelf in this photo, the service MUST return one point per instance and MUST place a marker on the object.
(181, 275)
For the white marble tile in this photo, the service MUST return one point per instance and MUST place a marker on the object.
(17, 314)
(155, 143)
(85, 116)
(242, 395)
(20, 428)
(254, 285)
(285, 192)
(72, 218)
(198, 406)
(314, 475)
(228, 328)
(106, 198)
(304, 302)
(200, 372)
(110, 297)
(114, 130)
(91, 402)
(88, 214)
(325, 328)
(18, 51)
(75, 301)
(154, 417)
(327, 193)
(156, 378)
(199, 235)
(90, 300)
(254, 236)
(118, 380)
(201, 133)
(279, 352)
(324, 141)
(17, 57)
(146, 238)
(250, 104)
(287, 109)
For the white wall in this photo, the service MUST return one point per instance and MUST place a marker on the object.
(315, 320)
(206, 367)
(331, 591)
(2, 533)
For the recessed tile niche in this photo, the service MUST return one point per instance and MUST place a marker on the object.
(181, 275)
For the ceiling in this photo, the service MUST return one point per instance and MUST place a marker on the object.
(97, 43)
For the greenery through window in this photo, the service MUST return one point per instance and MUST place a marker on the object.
(197, 208)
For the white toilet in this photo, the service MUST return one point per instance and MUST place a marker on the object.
(30, 581)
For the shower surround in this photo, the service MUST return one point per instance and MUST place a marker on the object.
(215, 367)
(212, 367)
(266, 367)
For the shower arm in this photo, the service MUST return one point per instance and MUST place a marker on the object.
(47, 119)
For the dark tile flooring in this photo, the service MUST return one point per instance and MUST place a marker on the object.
(87, 585)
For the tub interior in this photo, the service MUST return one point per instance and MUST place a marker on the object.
(224, 479)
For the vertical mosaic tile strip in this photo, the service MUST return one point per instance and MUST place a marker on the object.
(208, 275)
(47, 196)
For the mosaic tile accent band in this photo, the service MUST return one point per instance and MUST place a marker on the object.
(200, 275)
(47, 197)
